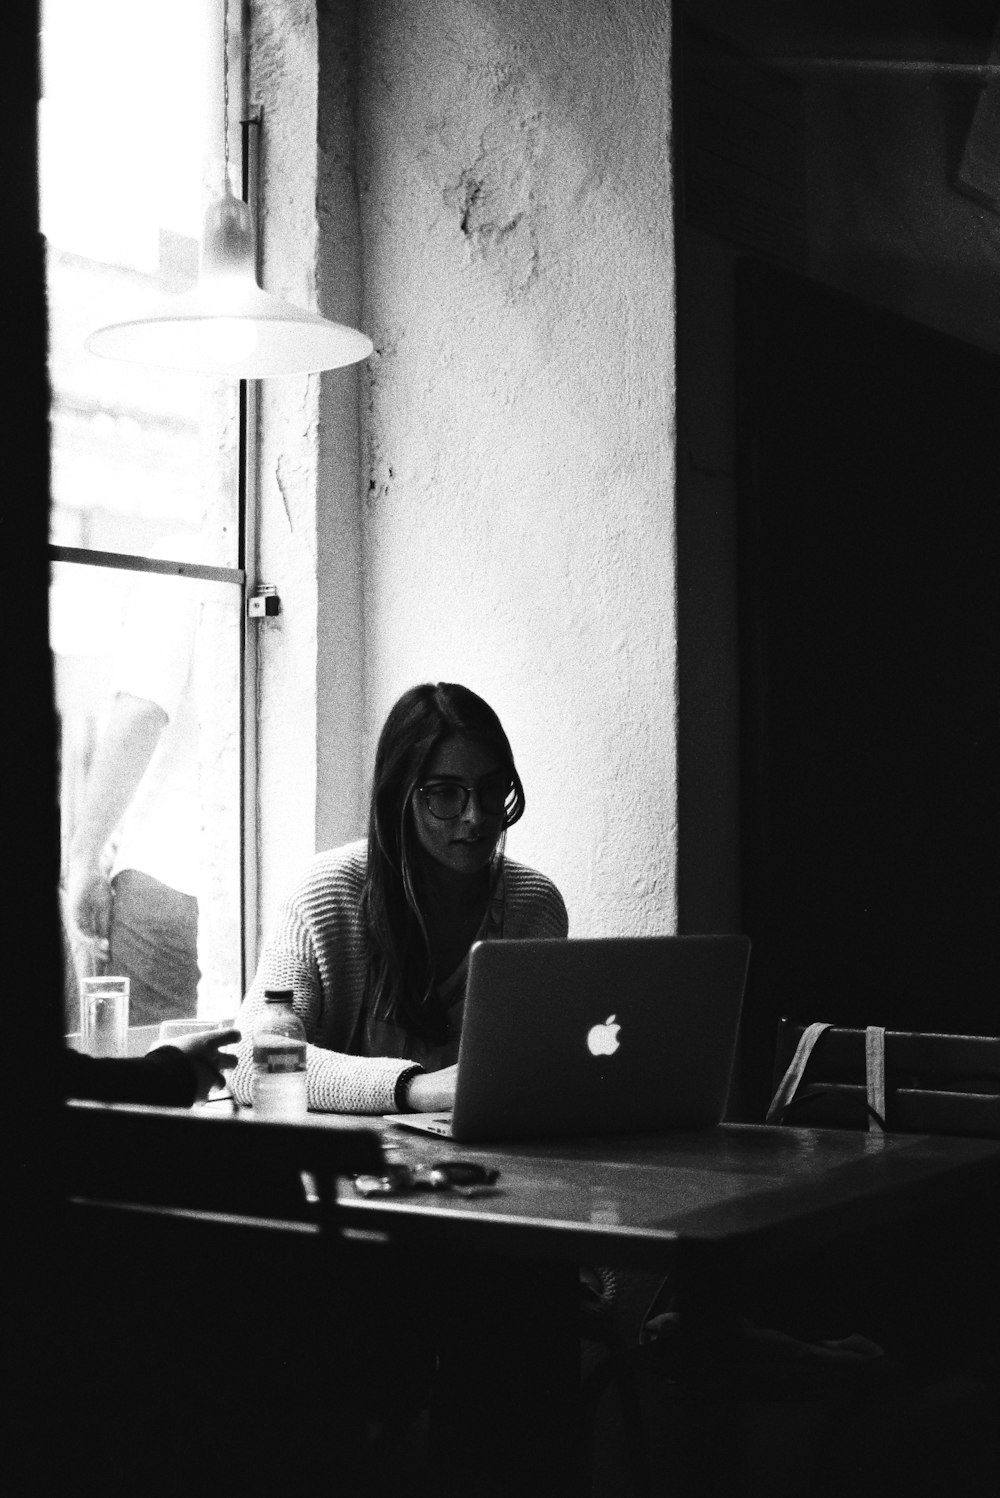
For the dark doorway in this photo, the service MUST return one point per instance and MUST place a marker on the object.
(869, 514)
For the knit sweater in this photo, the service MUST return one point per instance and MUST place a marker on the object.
(317, 949)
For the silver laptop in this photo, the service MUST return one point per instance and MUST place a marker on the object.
(594, 1036)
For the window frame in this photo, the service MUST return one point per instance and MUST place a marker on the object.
(243, 575)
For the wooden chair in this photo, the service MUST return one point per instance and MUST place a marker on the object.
(214, 1318)
(835, 1076)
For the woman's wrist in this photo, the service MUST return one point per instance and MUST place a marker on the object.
(403, 1087)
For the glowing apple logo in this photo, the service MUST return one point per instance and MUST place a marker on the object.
(602, 1040)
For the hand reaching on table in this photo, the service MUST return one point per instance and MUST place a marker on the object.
(210, 1063)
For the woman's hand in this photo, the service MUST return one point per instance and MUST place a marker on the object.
(210, 1063)
(432, 1091)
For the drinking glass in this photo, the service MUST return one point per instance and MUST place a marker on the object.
(104, 1016)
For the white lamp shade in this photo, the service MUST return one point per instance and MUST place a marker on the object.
(226, 325)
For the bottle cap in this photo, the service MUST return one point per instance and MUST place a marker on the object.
(278, 996)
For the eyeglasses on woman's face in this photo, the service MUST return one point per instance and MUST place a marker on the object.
(447, 799)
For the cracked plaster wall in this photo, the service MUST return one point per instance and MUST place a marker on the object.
(508, 520)
(515, 192)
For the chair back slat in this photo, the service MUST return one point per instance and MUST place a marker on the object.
(196, 1160)
(926, 1112)
(935, 1083)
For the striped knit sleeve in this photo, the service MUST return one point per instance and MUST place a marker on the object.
(533, 906)
(314, 953)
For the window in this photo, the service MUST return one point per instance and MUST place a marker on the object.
(148, 537)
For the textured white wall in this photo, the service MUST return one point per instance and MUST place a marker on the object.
(519, 523)
(512, 522)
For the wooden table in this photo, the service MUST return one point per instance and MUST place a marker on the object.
(718, 1210)
(749, 1191)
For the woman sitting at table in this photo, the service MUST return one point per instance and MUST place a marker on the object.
(374, 938)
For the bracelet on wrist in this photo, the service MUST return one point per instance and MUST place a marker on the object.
(402, 1083)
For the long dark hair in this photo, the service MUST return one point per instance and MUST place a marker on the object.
(400, 986)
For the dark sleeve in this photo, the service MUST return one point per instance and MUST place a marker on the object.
(164, 1078)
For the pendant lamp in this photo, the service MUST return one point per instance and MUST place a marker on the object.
(226, 325)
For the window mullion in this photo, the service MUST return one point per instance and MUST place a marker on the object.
(248, 557)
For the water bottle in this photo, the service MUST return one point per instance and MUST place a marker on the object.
(278, 1089)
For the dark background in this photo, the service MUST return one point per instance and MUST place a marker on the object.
(837, 237)
(870, 663)
(35, 1302)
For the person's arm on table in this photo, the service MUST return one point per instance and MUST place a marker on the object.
(172, 1076)
(336, 1082)
(320, 916)
(339, 1083)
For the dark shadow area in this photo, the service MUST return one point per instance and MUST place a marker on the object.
(870, 650)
